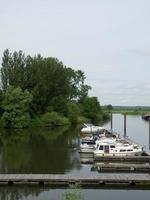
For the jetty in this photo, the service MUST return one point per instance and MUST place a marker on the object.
(122, 167)
(82, 180)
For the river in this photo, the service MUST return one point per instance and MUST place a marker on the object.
(54, 151)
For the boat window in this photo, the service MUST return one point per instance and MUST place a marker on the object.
(101, 147)
(112, 146)
(129, 149)
(122, 150)
(83, 142)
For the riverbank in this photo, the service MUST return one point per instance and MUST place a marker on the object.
(128, 112)
(131, 112)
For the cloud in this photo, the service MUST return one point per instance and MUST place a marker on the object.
(120, 93)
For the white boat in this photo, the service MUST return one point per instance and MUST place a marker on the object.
(90, 128)
(88, 144)
(87, 148)
(114, 147)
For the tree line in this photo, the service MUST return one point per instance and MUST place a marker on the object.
(38, 91)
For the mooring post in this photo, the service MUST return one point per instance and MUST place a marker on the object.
(111, 118)
(125, 125)
(149, 133)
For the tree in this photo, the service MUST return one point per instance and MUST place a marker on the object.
(78, 89)
(5, 70)
(13, 69)
(109, 107)
(92, 109)
(54, 87)
(73, 112)
(16, 106)
(48, 84)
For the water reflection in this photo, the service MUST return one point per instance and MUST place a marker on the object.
(55, 151)
(38, 151)
(32, 193)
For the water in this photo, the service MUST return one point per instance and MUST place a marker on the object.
(24, 193)
(137, 129)
(54, 151)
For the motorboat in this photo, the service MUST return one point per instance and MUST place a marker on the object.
(88, 144)
(117, 147)
(90, 128)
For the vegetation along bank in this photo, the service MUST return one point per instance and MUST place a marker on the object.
(37, 91)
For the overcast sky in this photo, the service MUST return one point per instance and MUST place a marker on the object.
(108, 39)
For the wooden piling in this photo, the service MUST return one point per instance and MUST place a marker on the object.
(149, 133)
(111, 124)
(125, 134)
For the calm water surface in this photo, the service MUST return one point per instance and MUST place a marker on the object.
(55, 152)
(57, 194)
(137, 129)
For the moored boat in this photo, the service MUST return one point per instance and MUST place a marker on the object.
(90, 128)
(88, 144)
(117, 147)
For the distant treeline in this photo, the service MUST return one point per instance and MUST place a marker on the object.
(38, 91)
(131, 110)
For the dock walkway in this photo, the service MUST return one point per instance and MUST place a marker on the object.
(64, 179)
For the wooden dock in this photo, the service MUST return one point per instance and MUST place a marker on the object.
(90, 158)
(83, 180)
(122, 167)
(134, 159)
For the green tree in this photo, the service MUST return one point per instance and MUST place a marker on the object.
(73, 112)
(92, 109)
(16, 106)
(13, 69)
(5, 70)
(78, 89)
(54, 87)
(48, 84)
(109, 107)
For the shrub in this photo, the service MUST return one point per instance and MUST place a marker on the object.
(73, 111)
(16, 106)
(54, 119)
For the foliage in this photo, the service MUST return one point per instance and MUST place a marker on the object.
(82, 119)
(55, 90)
(53, 119)
(92, 109)
(16, 106)
(49, 81)
(73, 111)
(1, 100)
(78, 90)
(109, 107)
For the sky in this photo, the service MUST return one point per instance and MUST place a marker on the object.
(107, 39)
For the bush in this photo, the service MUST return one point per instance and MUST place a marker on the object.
(16, 106)
(53, 119)
(82, 119)
(73, 111)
